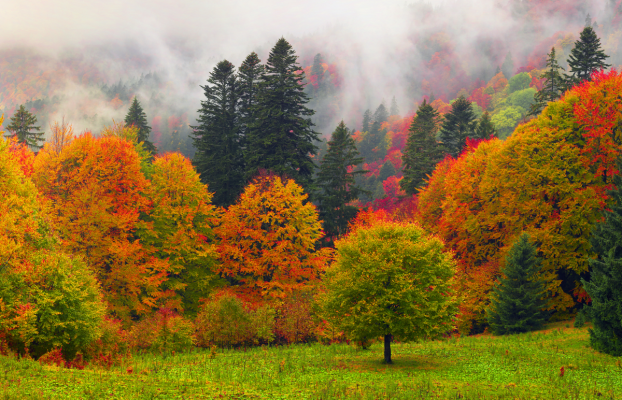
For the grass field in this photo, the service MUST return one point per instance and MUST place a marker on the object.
(525, 366)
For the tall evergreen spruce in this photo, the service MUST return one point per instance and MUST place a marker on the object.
(485, 128)
(605, 285)
(336, 183)
(281, 138)
(586, 57)
(137, 117)
(248, 76)
(23, 127)
(395, 109)
(518, 300)
(366, 121)
(422, 152)
(375, 135)
(218, 156)
(554, 85)
(458, 124)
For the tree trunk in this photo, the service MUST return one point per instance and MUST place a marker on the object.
(387, 349)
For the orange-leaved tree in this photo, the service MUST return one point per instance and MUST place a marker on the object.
(180, 227)
(268, 239)
(96, 190)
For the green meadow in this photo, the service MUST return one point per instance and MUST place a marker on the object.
(525, 366)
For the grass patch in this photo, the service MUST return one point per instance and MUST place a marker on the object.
(525, 366)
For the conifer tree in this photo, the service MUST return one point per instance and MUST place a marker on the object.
(485, 128)
(281, 138)
(336, 182)
(366, 121)
(422, 151)
(605, 285)
(518, 300)
(374, 136)
(395, 110)
(137, 117)
(218, 158)
(554, 85)
(23, 127)
(508, 66)
(458, 124)
(248, 76)
(586, 57)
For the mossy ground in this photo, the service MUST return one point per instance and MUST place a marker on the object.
(525, 366)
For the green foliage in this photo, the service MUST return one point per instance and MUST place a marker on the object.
(554, 85)
(505, 120)
(163, 332)
(485, 128)
(518, 302)
(23, 127)
(137, 117)
(586, 57)
(371, 146)
(219, 157)
(508, 66)
(395, 110)
(523, 98)
(605, 284)
(457, 126)
(281, 138)
(248, 77)
(336, 182)
(422, 152)
(51, 301)
(519, 82)
(390, 279)
(228, 322)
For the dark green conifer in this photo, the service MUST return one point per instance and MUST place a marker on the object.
(605, 284)
(218, 156)
(586, 57)
(369, 145)
(23, 127)
(458, 124)
(366, 121)
(422, 152)
(137, 117)
(554, 85)
(281, 138)
(518, 301)
(336, 183)
(485, 128)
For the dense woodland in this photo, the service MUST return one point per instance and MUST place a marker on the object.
(491, 204)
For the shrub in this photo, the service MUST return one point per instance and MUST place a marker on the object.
(295, 322)
(163, 332)
(112, 346)
(228, 322)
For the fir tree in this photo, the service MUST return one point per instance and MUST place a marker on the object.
(605, 285)
(366, 121)
(23, 127)
(518, 300)
(281, 138)
(422, 151)
(586, 57)
(554, 85)
(508, 66)
(248, 78)
(485, 128)
(458, 124)
(336, 182)
(395, 110)
(137, 117)
(375, 135)
(218, 156)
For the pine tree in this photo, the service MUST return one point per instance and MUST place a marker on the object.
(422, 151)
(336, 182)
(518, 300)
(508, 66)
(248, 79)
(366, 121)
(375, 135)
(485, 128)
(586, 57)
(23, 127)
(281, 138)
(605, 285)
(137, 117)
(554, 85)
(395, 110)
(458, 124)
(218, 156)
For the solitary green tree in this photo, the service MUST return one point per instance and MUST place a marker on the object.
(422, 152)
(554, 85)
(23, 127)
(605, 284)
(218, 156)
(586, 57)
(390, 280)
(459, 123)
(485, 128)
(336, 182)
(281, 138)
(137, 117)
(518, 301)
